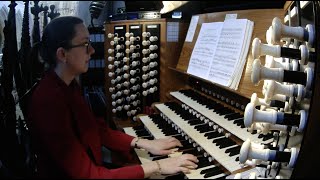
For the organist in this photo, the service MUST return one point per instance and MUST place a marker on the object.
(66, 136)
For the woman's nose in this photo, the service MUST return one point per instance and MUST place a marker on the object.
(92, 50)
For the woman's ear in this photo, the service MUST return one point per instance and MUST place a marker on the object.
(61, 55)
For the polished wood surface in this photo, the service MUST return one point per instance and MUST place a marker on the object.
(287, 5)
(262, 21)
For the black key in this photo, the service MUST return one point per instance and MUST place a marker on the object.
(213, 173)
(209, 170)
(235, 116)
(232, 153)
(179, 137)
(203, 162)
(268, 136)
(233, 149)
(192, 151)
(138, 127)
(218, 141)
(228, 143)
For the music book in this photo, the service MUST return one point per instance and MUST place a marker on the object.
(221, 50)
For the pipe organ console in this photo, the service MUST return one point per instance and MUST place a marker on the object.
(260, 130)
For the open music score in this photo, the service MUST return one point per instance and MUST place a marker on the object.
(245, 86)
(221, 50)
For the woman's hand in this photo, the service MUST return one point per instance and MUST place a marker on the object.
(181, 163)
(161, 146)
(173, 165)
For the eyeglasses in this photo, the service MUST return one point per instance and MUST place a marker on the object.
(86, 44)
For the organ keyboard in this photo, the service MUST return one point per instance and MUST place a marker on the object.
(199, 132)
(213, 150)
(203, 130)
(205, 168)
(203, 107)
(143, 155)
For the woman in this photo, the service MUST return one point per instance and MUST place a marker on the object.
(66, 135)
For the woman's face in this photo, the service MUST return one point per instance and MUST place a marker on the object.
(78, 57)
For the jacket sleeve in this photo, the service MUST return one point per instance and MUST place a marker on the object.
(53, 128)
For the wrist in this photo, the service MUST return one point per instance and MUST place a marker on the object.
(159, 171)
(151, 168)
(141, 143)
(135, 141)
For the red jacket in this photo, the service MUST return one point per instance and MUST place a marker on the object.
(68, 138)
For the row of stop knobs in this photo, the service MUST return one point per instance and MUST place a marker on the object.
(121, 76)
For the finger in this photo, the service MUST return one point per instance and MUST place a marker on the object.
(191, 167)
(175, 142)
(178, 143)
(171, 144)
(171, 138)
(165, 152)
(190, 164)
(168, 138)
(174, 139)
(191, 157)
(185, 170)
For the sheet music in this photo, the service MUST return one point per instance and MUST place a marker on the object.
(204, 49)
(192, 28)
(237, 74)
(228, 51)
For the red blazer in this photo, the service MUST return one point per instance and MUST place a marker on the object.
(68, 138)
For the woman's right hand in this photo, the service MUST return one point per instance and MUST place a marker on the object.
(173, 165)
(181, 163)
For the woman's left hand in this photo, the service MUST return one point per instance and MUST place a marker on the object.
(161, 146)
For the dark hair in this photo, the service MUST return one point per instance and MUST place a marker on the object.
(58, 33)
